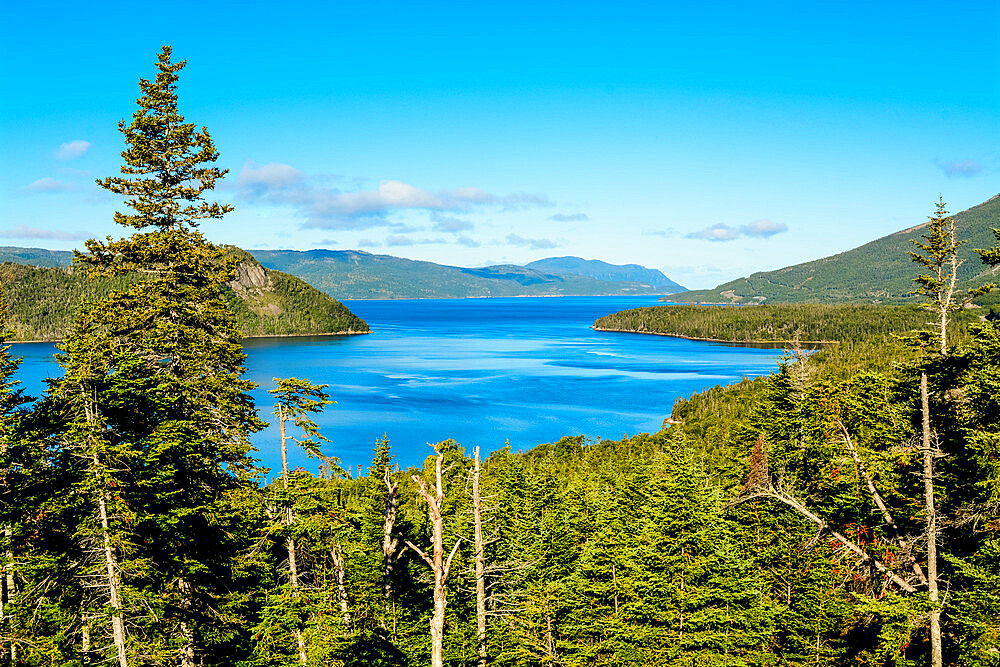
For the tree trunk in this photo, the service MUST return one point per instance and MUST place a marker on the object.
(932, 578)
(439, 566)
(114, 589)
(477, 513)
(293, 568)
(337, 555)
(110, 558)
(85, 644)
(9, 589)
(187, 631)
(390, 542)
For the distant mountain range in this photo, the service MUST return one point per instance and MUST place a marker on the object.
(353, 274)
(880, 271)
(595, 268)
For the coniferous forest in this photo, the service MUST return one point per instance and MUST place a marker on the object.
(844, 510)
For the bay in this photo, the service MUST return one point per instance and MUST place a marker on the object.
(487, 372)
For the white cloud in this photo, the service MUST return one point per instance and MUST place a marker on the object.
(396, 240)
(763, 228)
(71, 150)
(535, 244)
(24, 232)
(328, 207)
(467, 242)
(719, 232)
(569, 217)
(274, 175)
(448, 224)
(49, 184)
(960, 168)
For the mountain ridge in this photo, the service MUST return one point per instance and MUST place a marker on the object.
(356, 274)
(601, 270)
(879, 271)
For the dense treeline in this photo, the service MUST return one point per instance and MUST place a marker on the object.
(42, 302)
(778, 323)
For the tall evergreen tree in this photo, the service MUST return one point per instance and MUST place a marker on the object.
(179, 405)
(12, 398)
(294, 400)
(939, 258)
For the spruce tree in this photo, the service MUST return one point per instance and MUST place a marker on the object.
(939, 258)
(170, 391)
(12, 398)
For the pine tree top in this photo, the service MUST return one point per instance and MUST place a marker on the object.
(168, 162)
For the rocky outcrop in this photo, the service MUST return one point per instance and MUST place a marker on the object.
(249, 274)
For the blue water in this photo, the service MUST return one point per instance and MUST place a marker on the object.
(480, 371)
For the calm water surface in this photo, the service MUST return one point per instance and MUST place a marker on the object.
(480, 371)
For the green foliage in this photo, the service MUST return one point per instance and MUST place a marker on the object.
(775, 323)
(295, 399)
(44, 300)
(129, 498)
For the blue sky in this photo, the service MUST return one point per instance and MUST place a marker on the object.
(710, 140)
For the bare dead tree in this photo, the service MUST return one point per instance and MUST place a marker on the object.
(440, 566)
(477, 518)
(390, 540)
(932, 537)
(112, 579)
(293, 569)
(337, 556)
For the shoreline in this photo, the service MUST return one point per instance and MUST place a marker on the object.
(486, 296)
(348, 332)
(718, 340)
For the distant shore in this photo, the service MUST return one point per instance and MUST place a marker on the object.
(719, 340)
(348, 332)
(483, 296)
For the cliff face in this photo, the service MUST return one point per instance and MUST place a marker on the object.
(250, 274)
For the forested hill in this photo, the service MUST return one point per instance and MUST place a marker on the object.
(778, 323)
(877, 271)
(42, 300)
(595, 268)
(353, 274)
(36, 256)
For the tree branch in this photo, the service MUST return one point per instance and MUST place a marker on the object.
(851, 546)
(420, 553)
(901, 541)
